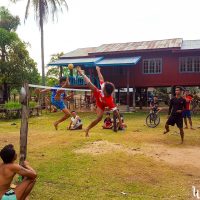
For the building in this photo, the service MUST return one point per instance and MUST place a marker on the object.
(139, 65)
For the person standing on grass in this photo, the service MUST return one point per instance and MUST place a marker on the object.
(175, 114)
(103, 98)
(57, 99)
(187, 111)
(8, 169)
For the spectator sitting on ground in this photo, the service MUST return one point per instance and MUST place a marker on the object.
(75, 123)
(8, 169)
(123, 123)
(108, 122)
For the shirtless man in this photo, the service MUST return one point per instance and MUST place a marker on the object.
(8, 169)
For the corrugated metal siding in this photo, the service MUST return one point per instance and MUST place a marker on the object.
(131, 46)
(190, 44)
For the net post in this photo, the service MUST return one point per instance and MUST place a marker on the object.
(24, 100)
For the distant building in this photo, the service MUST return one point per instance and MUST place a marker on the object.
(140, 65)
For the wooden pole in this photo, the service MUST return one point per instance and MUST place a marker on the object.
(127, 100)
(61, 71)
(134, 104)
(24, 99)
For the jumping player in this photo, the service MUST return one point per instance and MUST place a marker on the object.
(57, 99)
(176, 108)
(8, 169)
(103, 98)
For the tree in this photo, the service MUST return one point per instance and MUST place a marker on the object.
(15, 63)
(42, 9)
(54, 72)
(7, 21)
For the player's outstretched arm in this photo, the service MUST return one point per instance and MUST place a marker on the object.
(86, 79)
(99, 74)
(67, 83)
(170, 107)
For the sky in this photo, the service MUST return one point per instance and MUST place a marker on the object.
(90, 23)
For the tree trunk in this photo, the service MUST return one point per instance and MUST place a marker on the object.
(42, 44)
(5, 92)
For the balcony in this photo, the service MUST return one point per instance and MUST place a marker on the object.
(78, 81)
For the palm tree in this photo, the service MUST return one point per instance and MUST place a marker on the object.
(42, 9)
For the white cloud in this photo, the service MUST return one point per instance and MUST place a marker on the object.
(94, 22)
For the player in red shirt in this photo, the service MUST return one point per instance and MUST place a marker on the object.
(103, 98)
(187, 112)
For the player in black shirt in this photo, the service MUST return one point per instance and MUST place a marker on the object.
(176, 107)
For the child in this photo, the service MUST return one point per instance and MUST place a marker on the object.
(154, 105)
(108, 123)
(8, 169)
(57, 99)
(176, 108)
(123, 123)
(75, 123)
(187, 112)
(103, 98)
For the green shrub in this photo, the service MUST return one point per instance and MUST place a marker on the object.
(11, 105)
(32, 104)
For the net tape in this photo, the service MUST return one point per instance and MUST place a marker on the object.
(55, 88)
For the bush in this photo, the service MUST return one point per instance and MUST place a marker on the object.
(11, 105)
(32, 104)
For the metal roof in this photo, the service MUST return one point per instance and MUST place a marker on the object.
(119, 61)
(76, 61)
(190, 44)
(81, 52)
(145, 45)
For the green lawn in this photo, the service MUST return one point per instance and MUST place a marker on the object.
(64, 174)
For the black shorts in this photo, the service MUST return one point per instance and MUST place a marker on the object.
(178, 120)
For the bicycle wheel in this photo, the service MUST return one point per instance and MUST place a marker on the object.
(156, 120)
(152, 120)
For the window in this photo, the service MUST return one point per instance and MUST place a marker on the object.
(190, 64)
(152, 66)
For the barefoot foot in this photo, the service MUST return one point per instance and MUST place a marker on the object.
(56, 125)
(86, 133)
(165, 131)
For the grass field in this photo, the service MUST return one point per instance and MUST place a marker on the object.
(133, 164)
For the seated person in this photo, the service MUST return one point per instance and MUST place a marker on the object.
(8, 169)
(123, 123)
(154, 105)
(108, 122)
(75, 123)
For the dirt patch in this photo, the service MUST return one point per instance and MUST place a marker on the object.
(103, 147)
(187, 158)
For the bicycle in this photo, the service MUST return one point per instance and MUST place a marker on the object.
(153, 119)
